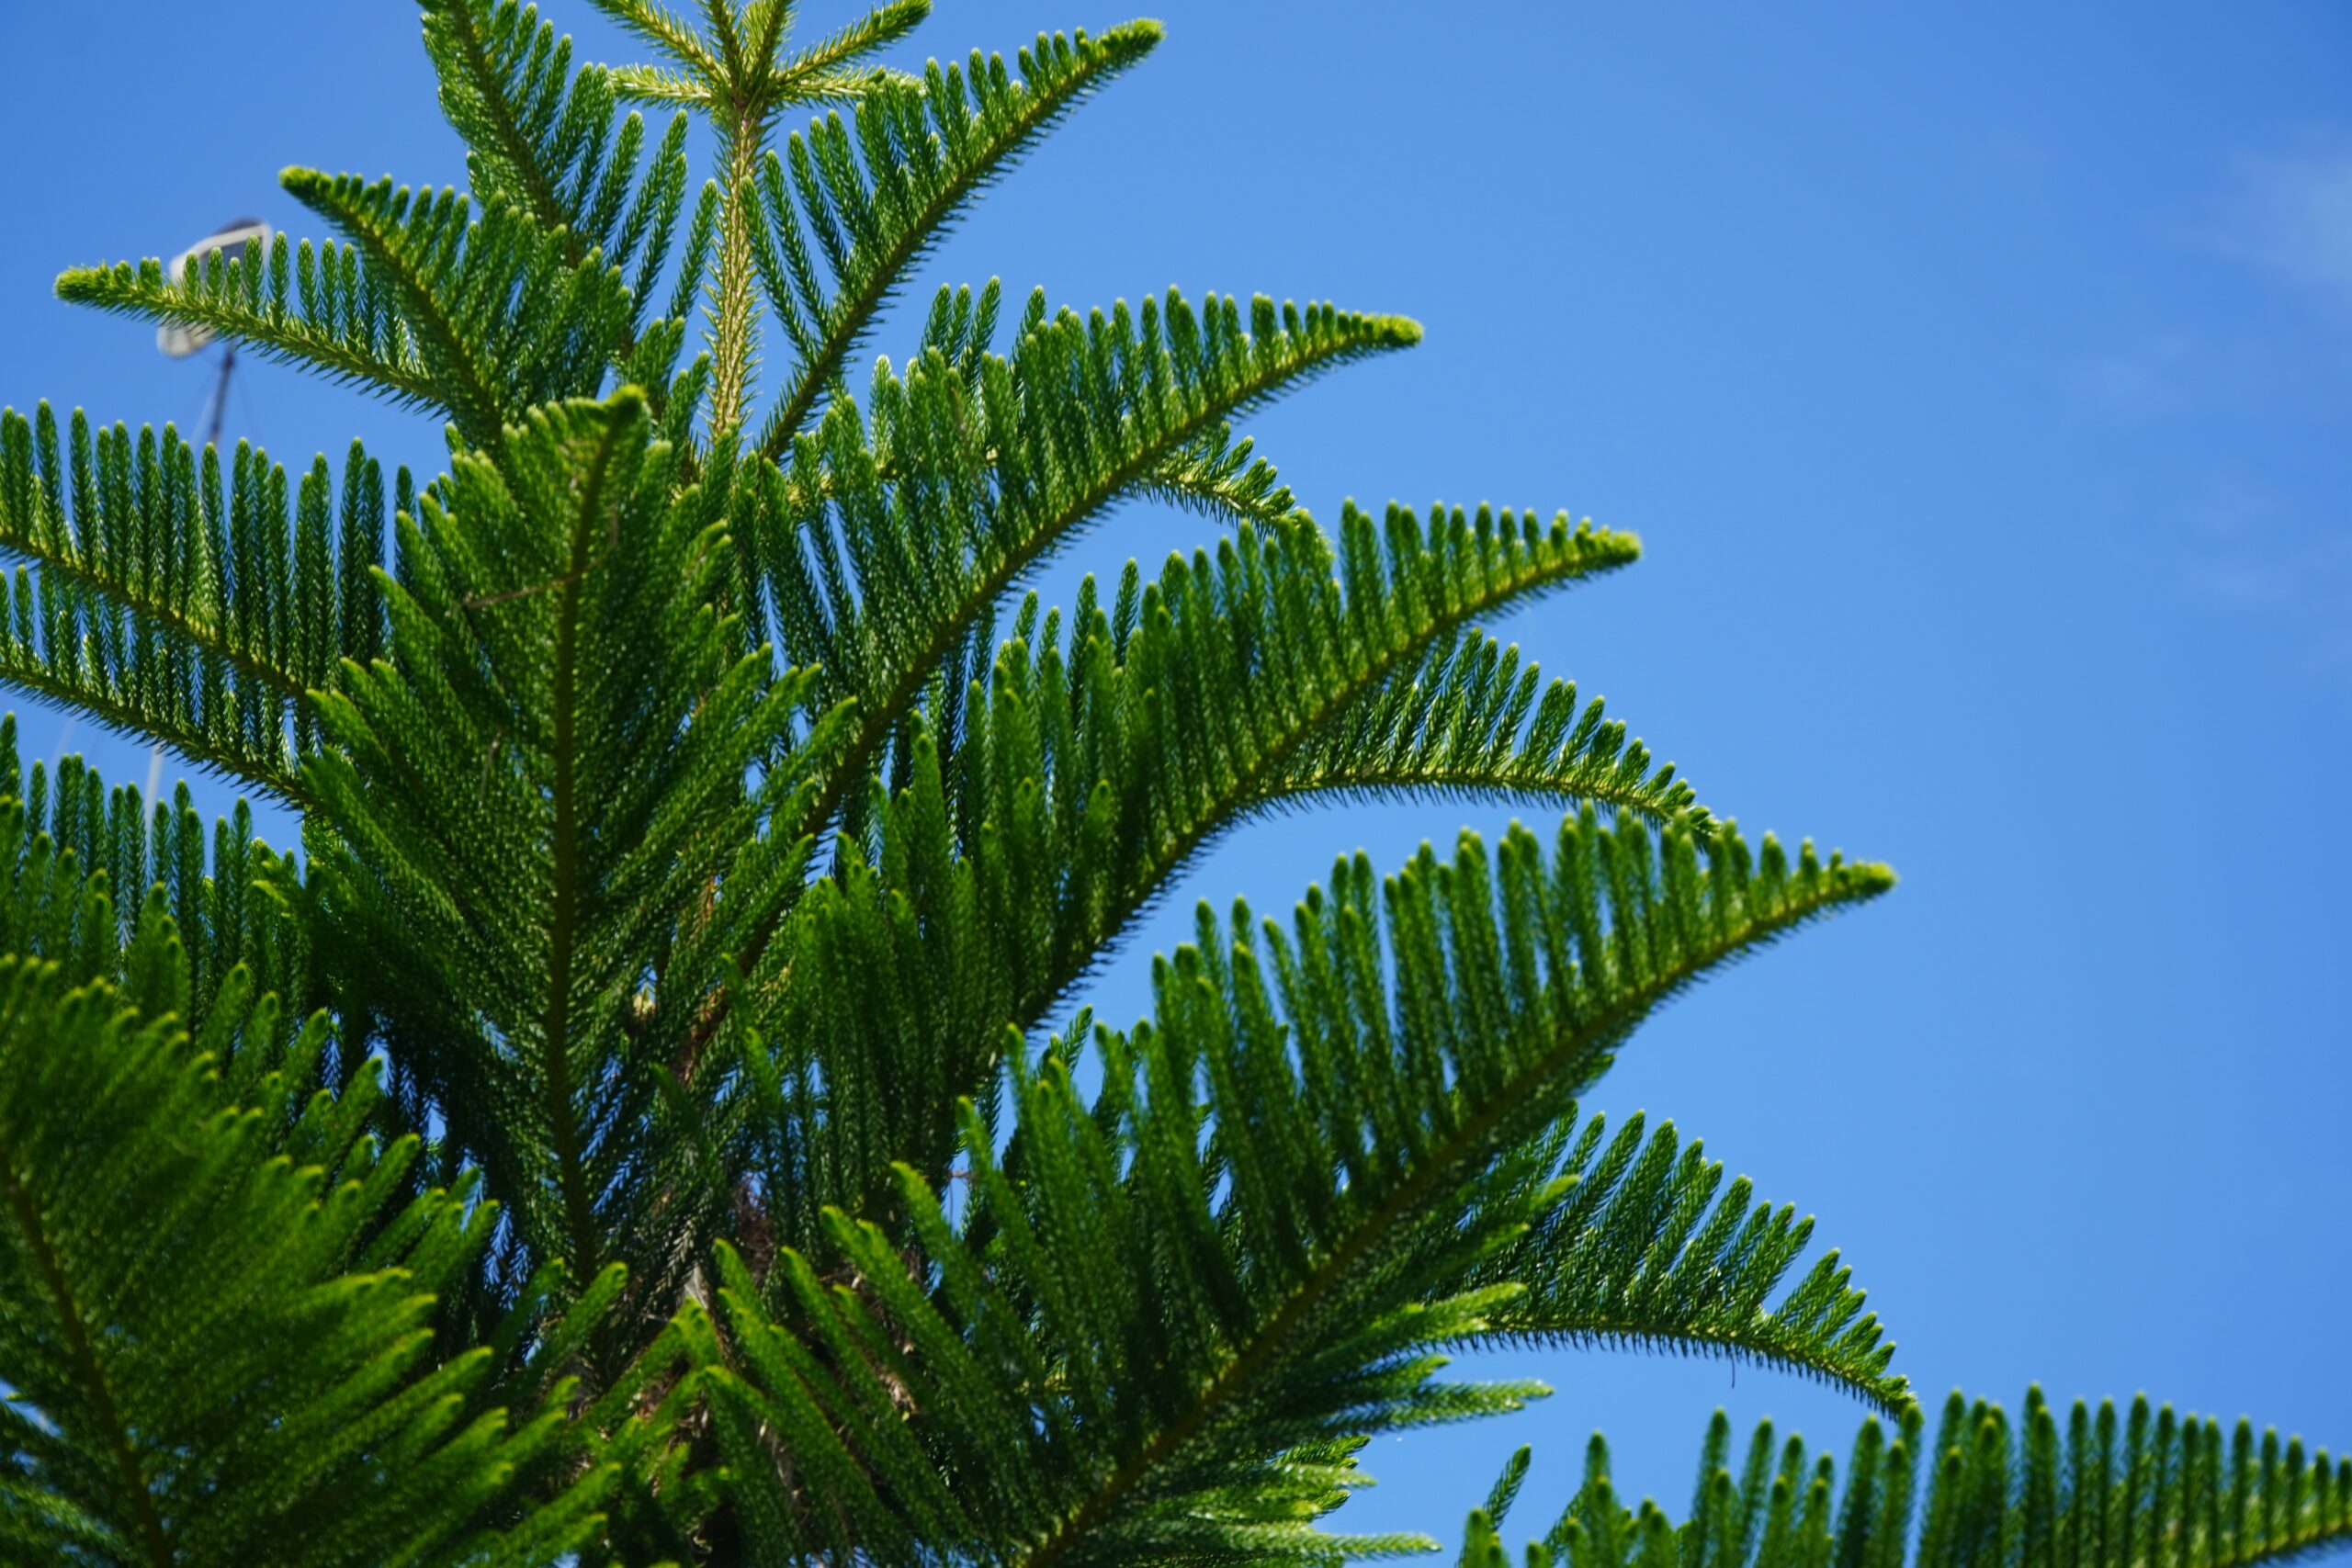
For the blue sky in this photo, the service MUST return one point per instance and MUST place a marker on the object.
(1978, 377)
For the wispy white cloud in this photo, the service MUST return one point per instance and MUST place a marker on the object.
(2165, 376)
(2203, 417)
(2252, 551)
(2287, 562)
(2292, 215)
(2137, 384)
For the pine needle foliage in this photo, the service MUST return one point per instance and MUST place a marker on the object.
(2103, 1491)
(632, 1128)
(1184, 1216)
(220, 1332)
(202, 602)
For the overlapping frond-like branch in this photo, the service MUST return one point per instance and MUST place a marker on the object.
(1084, 780)
(878, 582)
(930, 1296)
(1029, 835)
(1197, 1318)
(531, 795)
(927, 151)
(80, 864)
(502, 317)
(548, 139)
(278, 1402)
(827, 69)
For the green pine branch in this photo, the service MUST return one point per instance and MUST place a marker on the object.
(550, 767)
(121, 707)
(1563, 1039)
(278, 1402)
(501, 319)
(1187, 1298)
(994, 484)
(664, 30)
(1083, 783)
(826, 71)
(2146, 1488)
(1651, 1250)
(1221, 477)
(543, 137)
(81, 862)
(928, 150)
(168, 599)
(320, 308)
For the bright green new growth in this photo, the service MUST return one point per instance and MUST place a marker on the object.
(632, 1129)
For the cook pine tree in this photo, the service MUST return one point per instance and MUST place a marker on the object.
(650, 1116)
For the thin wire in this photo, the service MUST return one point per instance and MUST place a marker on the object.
(195, 420)
(253, 415)
(220, 393)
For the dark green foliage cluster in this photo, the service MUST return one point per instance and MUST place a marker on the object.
(632, 1129)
